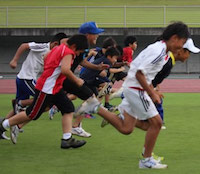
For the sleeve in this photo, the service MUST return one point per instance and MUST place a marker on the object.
(124, 56)
(149, 57)
(129, 55)
(38, 47)
(163, 73)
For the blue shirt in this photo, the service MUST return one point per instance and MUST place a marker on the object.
(89, 75)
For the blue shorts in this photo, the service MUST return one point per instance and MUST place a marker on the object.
(25, 88)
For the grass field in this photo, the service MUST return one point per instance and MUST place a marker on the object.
(107, 151)
(105, 17)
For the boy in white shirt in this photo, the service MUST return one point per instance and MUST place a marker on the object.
(29, 72)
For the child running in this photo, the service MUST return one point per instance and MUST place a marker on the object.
(140, 96)
(49, 91)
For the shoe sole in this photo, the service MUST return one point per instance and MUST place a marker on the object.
(74, 147)
(81, 135)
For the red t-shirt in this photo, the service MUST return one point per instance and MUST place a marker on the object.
(51, 80)
(127, 54)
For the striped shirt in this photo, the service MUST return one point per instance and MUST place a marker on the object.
(51, 80)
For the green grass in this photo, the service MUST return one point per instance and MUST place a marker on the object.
(107, 151)
(105, 17)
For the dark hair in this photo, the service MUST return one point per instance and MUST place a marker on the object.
(108, 42)
(120, 49)
(112, 51)
(79, 40)
(58, 37)
(129, 40)
(177, 28)
(159, 38)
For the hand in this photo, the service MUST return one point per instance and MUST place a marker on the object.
(102, 66)
(155, 98)
(92, 52)
(13, 64)
(160, 94)
(125, 63)
(122, 68)
(80, 82)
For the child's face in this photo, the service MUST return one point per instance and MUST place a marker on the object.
(182, 55)
(174, 44)
(92, 38)
(133, 46)
(112, 59)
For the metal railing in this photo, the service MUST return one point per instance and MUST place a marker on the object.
(105, 16)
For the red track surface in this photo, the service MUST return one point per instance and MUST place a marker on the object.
(7, 86)
(177, 85)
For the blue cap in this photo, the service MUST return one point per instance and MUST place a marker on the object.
(90, 28)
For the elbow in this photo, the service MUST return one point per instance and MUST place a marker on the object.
(25, 46)
(65, 71)
(138, 74)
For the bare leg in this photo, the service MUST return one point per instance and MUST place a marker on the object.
(78, 120)
(144, 125)
(107, 98)
(18, 118)
(72, 96)
(125, 126)
(155, 124)
(67, 122)
(10, 114)
(26, 102)
(23, 124)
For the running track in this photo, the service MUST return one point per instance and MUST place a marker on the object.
(7, 86)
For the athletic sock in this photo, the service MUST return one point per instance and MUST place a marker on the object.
(67, 136)
(6, 124)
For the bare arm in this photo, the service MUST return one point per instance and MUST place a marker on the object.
(157, 89)
(23, 47)
(89, 65)
(148, 88)
(116, 70)
(66, 70)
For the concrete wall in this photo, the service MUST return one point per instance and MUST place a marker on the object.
(10, 40)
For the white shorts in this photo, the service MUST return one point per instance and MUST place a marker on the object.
(138, 104)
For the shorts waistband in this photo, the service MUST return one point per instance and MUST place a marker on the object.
(137, 88)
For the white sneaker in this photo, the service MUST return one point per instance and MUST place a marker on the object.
(4, 136)
(163, 127)
(52, 112)
(90, 106)
(80, 132)
(14, 131)
(105, 90)
(151, 163)
(116, 94)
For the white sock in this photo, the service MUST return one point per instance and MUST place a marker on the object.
(6, 124)
(67, 136)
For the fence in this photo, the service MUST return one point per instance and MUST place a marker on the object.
(105, 16)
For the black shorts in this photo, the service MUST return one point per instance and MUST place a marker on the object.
(42, 101)
(119, 76)
(82, 92)
(92, 87)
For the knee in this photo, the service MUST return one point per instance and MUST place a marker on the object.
(126, 131)
(158, 124)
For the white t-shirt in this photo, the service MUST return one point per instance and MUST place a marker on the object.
(33, 65)
(150, 61)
